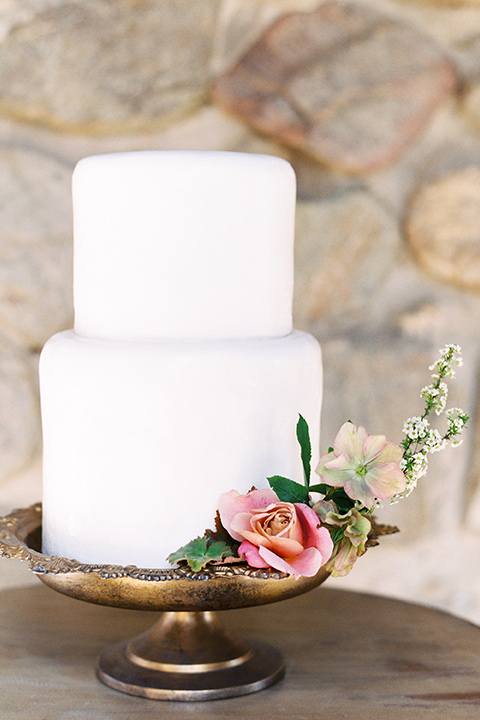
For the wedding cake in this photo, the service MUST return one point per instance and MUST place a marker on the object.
(182, 377)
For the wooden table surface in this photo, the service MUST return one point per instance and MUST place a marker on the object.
(348, 655)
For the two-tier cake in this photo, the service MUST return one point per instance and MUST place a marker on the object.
(182, 378)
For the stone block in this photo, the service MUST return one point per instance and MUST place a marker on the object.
(19, 413)
(35, 246)
(471, 104)
(443, 228)
(98, 65)
(345, 245)
(345, 84)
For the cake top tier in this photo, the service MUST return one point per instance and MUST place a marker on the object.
(183, 245)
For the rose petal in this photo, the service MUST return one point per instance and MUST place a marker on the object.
(242, 522)
(252, 555)
(350, 441)
(296, 532)
(282, 546)
(294, 529)
(256, 539)
(261, 519)
(285, 547)
(274, 561)
(314, 536)
(308, 563)
(232, 503)
(257, 499)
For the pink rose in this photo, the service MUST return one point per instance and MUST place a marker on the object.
(282, 535)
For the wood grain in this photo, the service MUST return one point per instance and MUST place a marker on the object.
(348, 655)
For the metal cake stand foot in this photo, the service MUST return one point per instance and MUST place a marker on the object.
(189, 656)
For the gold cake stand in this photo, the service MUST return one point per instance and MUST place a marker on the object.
(187, 655)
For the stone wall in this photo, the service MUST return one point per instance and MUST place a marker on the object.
(376, 103)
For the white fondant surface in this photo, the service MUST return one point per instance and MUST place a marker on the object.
(140, 438)
(183, 245)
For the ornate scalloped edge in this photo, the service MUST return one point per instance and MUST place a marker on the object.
(20, 523)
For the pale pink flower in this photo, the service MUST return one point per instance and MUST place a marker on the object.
(366, 466)
(282, 535)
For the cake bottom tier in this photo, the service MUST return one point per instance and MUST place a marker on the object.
(140, 439)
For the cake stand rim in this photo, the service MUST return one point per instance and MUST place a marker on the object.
(219, 587)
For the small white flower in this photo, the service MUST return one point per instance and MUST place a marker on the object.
(440, 405)
(414, 467)
(457, 420)
(450, 347)
(420, 464)
(435, 395)
(429, 391)
(434, 441)
(456, 414)
(419, 436)
(449, 356)
(416, 428)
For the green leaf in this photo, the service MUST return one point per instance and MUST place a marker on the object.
(288, 490)
(303, 437)
(218, 549)
(321, 488)
(220, 535)
(200, 552)
(192, 552)
(343, 502)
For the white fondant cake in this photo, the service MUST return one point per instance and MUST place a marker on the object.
(181, 379)
(183, 245)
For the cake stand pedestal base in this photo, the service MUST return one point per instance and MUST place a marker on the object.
(189, 656)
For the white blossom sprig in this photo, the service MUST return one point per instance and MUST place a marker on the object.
(421, 439)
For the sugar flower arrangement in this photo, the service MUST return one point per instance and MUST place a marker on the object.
(299, 528)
